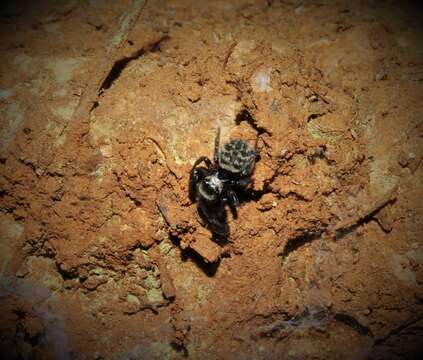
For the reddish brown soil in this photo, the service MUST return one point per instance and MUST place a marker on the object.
(105, 106)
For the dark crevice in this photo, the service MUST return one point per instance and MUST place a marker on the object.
(117, 69)
(353, 323)
(134, 200)
(189, 254)
(297, 242)
(180, 348)
(247, 195)
(343, 231)
(314, 116)
(20, 313)
(382, 226)
(34, 340)
(120, 65)
(66, 275)
(295, 195)
(95, 105)
(245, 115)
(29, 165)
(398, 330)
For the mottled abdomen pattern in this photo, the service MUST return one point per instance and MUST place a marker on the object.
(237, 157)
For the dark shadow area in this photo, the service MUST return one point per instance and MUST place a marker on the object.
(188, 254)
(353, 324)
(245, 115)
(296, 243)
(120, 64)
(344, 231)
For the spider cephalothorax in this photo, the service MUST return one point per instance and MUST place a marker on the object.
(215, 185)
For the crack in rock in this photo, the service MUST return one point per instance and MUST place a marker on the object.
(122, 63)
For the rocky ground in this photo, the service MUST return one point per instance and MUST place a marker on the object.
(105, 106)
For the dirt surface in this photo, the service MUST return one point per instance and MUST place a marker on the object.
(105, 106)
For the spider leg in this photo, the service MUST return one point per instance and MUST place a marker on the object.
(196, 176)
(243, 182)
(215, 217)
(233, 202)
(216, 147)
(200, 160)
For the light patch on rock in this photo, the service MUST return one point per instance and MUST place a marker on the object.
(401, 268)
(23, 61)
(125, 227)
(46, 308)
(180, 121)
(52, 27)
(202, 293)
(66, 111)
(244, 52)
(102, 133)
(187, 282)
(132, 299)
(54, 129)
(299, 10)
(10, 231)
(318, 43)
(152, 281)
(282, 47)
(43, 270)
(5, 93)
(64, 69)
(61, 92)
(382, 181)
(155, 295)
(165, 247)
(261, 81)
(60, 140)
(104, 168)
(142, 67)
(11, 117)
(321, 130)
(416, 255)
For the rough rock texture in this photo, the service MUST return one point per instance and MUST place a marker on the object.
(105, 106)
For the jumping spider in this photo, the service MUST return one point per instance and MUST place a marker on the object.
(216, 184)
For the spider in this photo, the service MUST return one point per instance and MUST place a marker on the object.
(215, 185)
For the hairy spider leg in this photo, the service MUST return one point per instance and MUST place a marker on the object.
(233, 202)
(243, 182)
(216, 147)
(197, 175)
(214, 216)
(200, 160)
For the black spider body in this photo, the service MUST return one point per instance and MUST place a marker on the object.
(216, 184)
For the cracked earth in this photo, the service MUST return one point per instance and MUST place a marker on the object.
(105, 106)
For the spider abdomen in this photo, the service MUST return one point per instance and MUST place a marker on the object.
(237, 157)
